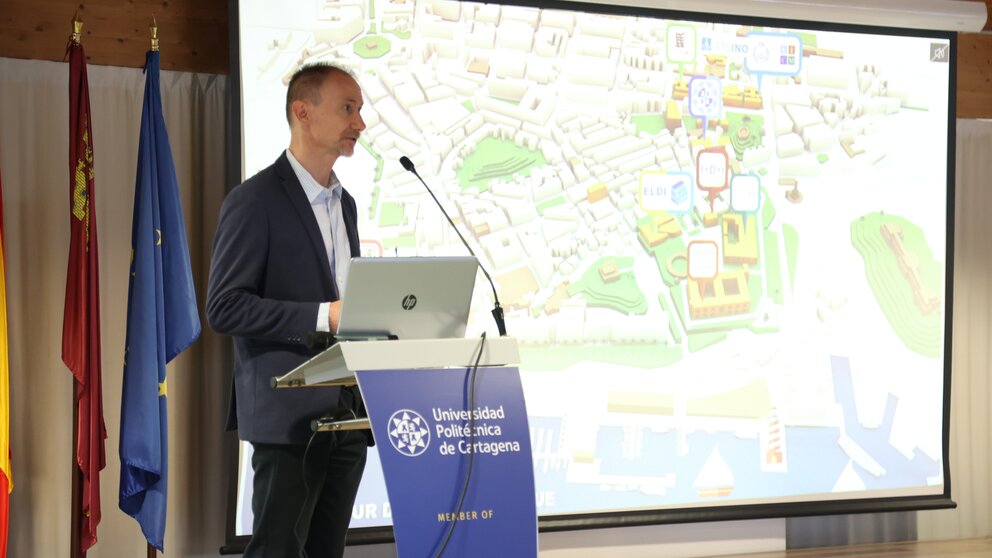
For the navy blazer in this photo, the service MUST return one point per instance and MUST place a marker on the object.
(268, 275)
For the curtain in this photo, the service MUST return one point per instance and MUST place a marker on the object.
(971, 389)
(34, 162)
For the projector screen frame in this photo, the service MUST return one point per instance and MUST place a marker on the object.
(565, 522)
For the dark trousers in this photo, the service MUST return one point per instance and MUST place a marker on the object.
(303, 496)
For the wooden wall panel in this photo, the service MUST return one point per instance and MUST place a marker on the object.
(193, 33)
(974, 75)
(194, 38)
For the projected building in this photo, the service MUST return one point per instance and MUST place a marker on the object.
(657, 230)
(740, 242)
(725, 295)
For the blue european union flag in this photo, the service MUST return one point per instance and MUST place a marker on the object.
(162, 318)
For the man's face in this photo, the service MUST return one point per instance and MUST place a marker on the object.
(335, 123)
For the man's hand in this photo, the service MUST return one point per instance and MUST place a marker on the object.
(333, 315)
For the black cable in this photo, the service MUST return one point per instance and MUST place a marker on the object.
(303, 469)
(306, 485)
(471, 454)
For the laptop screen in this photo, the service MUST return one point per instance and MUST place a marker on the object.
(411, 298)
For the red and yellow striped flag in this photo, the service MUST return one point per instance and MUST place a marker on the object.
(6, 480)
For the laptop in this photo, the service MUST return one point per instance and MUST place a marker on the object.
(409, 298)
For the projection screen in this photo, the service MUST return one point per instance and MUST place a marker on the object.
(723, 244)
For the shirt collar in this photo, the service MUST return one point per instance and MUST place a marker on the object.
(313, 189)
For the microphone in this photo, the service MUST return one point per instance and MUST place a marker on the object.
(497, 309)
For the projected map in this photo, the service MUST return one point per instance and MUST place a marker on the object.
(721, 247)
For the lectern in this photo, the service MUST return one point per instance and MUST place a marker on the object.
(450, 423)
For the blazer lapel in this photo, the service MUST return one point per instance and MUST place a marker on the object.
(350, 214)
(294, 190)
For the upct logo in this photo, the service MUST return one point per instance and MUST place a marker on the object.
(408, 433)
(409, 301)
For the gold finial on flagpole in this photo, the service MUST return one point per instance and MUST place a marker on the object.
(154, 30)
(77, 28)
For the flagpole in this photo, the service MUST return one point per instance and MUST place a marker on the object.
(75, 545)
(152, 552)
(81, 319)
(75, 540)
(162, 317)
(154, 31)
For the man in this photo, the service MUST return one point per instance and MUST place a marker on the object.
(281, 253)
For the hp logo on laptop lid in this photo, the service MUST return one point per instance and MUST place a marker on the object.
(409, 301)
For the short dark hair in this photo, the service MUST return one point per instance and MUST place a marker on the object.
(305, 84)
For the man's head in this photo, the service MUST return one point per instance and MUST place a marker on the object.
(322, 106)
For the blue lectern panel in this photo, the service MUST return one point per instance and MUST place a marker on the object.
(427, 434)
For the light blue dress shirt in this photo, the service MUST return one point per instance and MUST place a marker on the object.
(325, 201)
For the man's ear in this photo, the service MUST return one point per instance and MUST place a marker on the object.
(300, 110)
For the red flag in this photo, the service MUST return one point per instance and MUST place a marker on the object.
(81, 323)
(6, 480)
